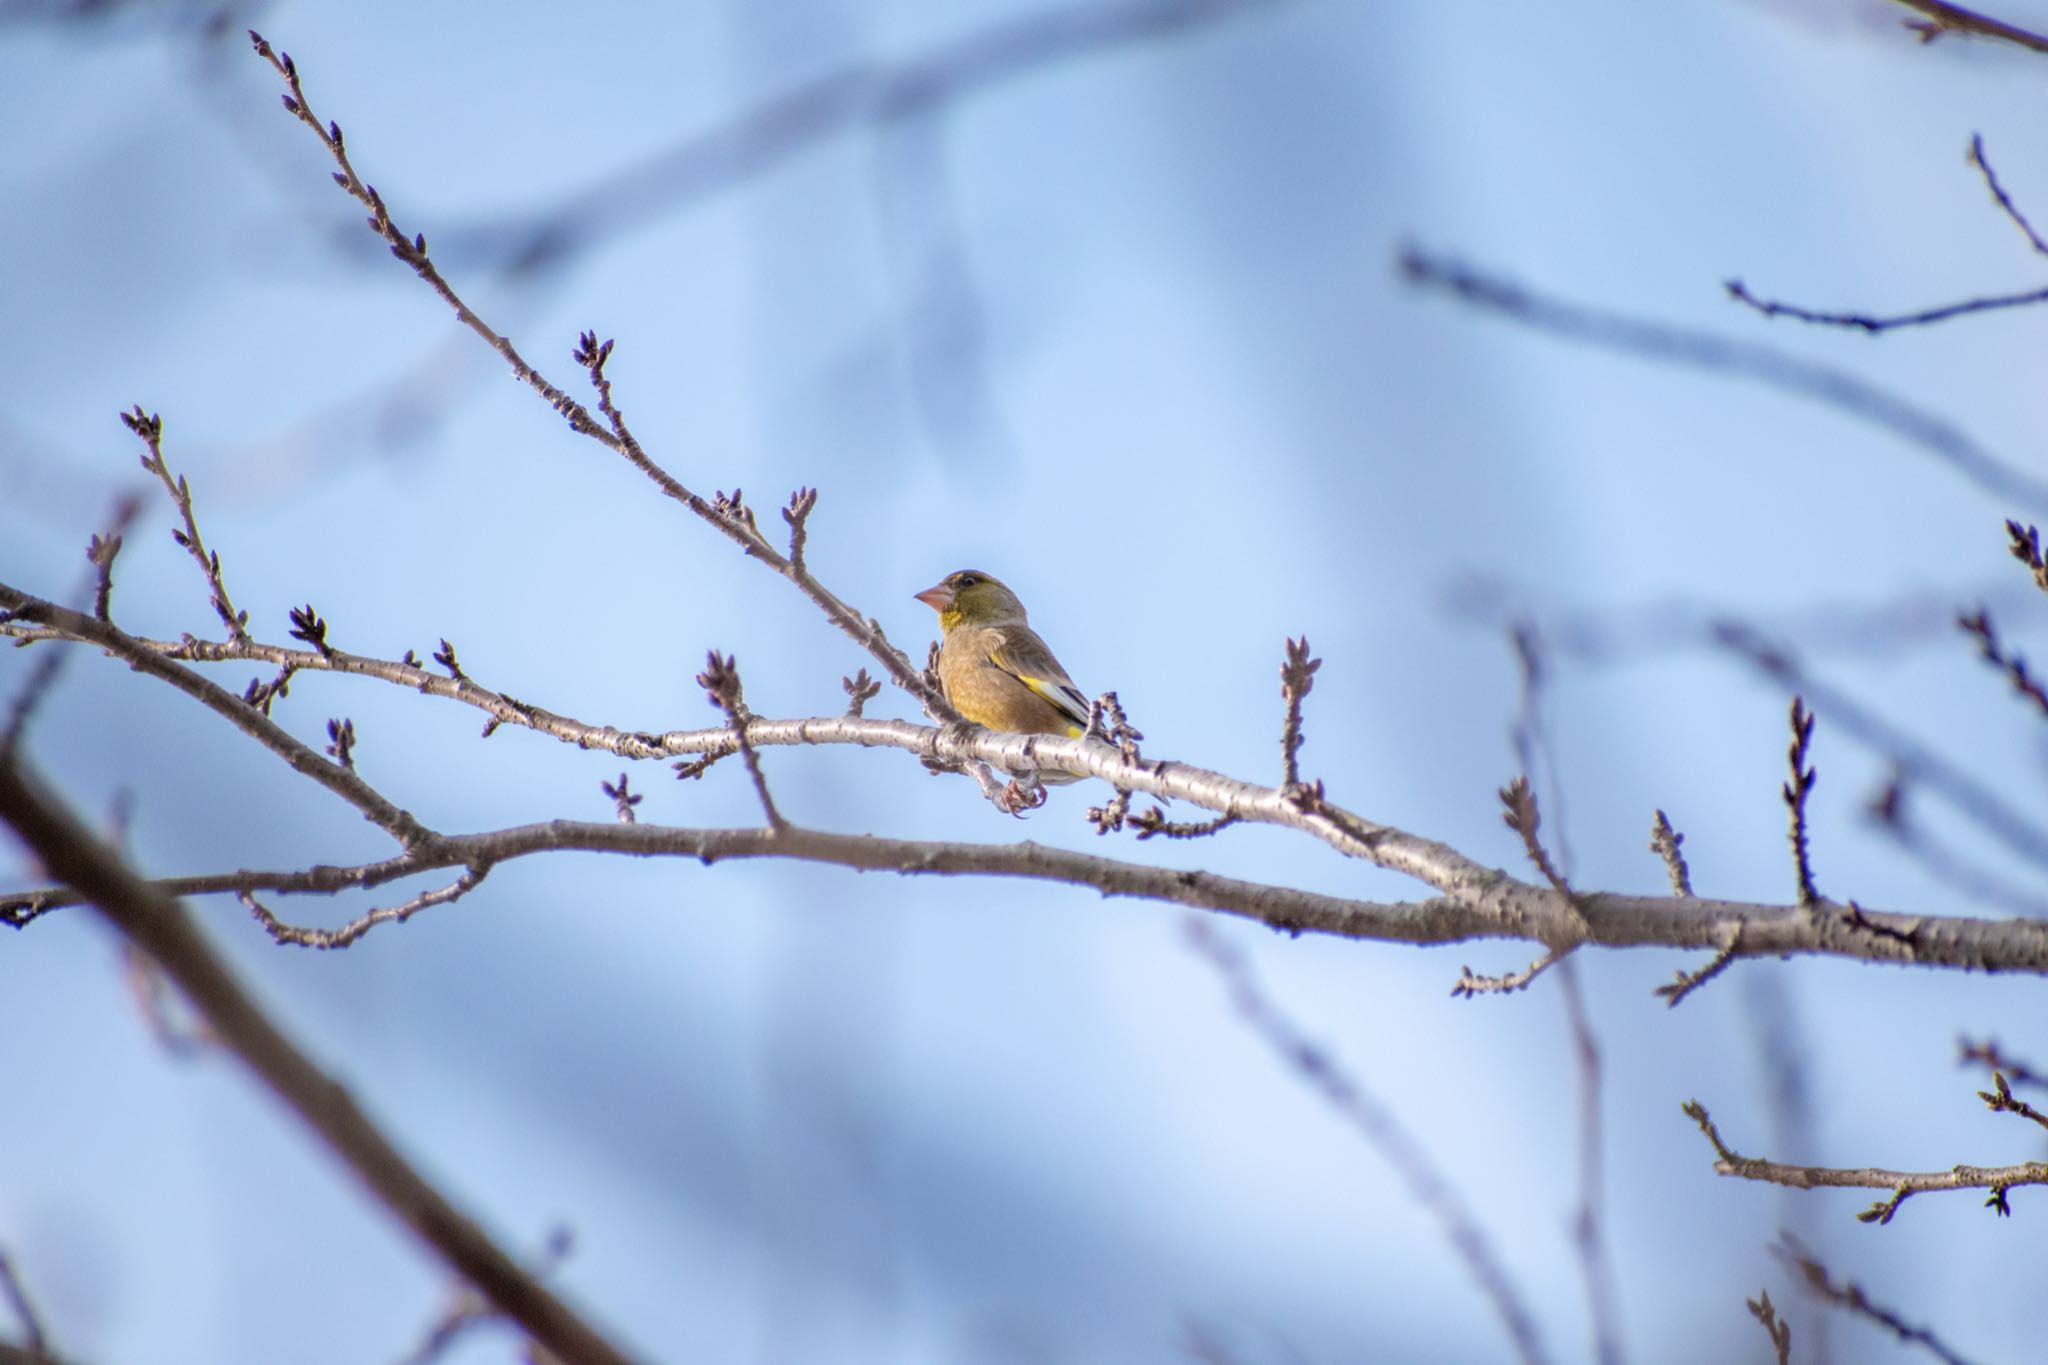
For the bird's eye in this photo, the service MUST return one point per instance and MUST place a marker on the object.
(967, 580)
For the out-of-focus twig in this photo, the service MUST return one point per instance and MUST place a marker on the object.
(1722, 355)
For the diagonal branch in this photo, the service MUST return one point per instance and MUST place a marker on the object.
(159, 926)
(1850, 1297)
(612, 434)
(1383, 1129)
(343, 781)
(1706, 351)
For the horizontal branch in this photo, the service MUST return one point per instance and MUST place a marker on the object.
(1902, 1184)
(1504, 909)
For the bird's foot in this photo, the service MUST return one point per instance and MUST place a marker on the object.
(1022, 794)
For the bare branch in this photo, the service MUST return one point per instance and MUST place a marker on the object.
(1944, 18)
(1521, 816)
(1740, 359)
(1297, 676)
(1977, 625)
(159, 927)
(1850, 1297)
(1796, 791)
(101, 550)
(2000, 1100)
(860, 690)
(2005, 203)
(624, 798)
(2026, 548)
(299, 937)
(1918, 762)
(1902, 1184)
(1891, 811)
(1152, 823)
(1588, 1238)
(1382, 1129)
(797, 513)
(1988, 1053)
(150, 428)
(721, 682)
(1780, 1332)
(1687, 982)
(1471, 983)
(1500, 908)
(169, 1020)
(1668, 844)
(33, 1337)
(1873, 324)
(337, 778)
(611, 433)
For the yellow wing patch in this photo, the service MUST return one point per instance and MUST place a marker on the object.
(1062, 696)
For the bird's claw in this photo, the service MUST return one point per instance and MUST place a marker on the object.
(1021, 796)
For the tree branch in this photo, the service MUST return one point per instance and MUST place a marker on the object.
(159, 927)
(1902, 1184)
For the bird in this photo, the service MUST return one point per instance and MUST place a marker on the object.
(993, 667)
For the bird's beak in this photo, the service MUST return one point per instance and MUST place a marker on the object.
(939, 597)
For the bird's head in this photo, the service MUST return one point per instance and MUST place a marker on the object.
(971, 597)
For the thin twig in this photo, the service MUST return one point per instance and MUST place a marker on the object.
(1923, 764)
(1722, 355)
(150, 428)
(1891, 811)
(1874, 324)
(1780, 1332)
(1588, 1236)
(1519, 813)
(1668, 844)
(1152, 823)
(860, 690)
(42, 678)
(1978, 626)
(1381, 1128)
(1470, 983)
(1944, 18)
(2000, 1100)
(1989, 1054)
(1297, 677)
(2025, 544)
(300, 937)
(721, 682)
(1902, 1184)
(2005, 203)
(1796, 791)
(624, 798)
(101, 551)
(1687, 982)
(1850, 1297)
(612, 432)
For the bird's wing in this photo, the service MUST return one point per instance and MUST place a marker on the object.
(1019, 652)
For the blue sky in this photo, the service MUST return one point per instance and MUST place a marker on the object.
(1125, 329)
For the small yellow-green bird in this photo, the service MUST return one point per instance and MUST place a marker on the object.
(994, 668)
